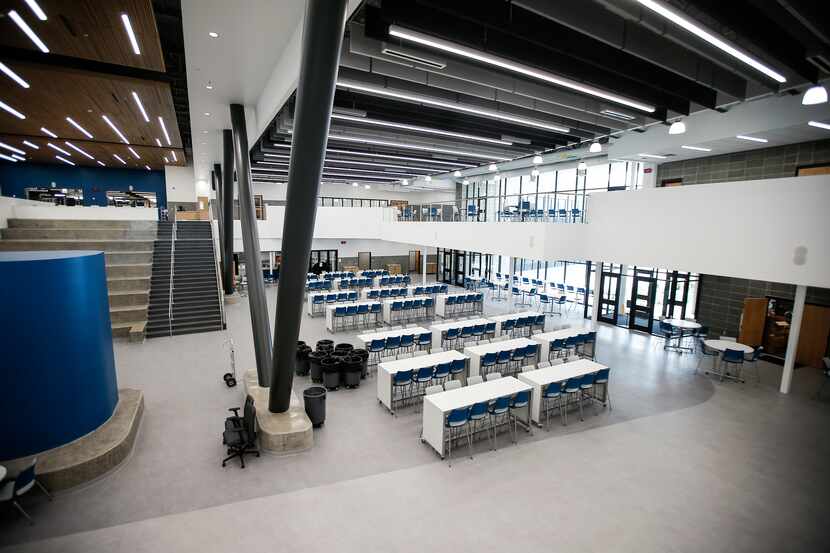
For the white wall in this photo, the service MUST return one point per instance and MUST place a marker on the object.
(14, 208)
(180, 183)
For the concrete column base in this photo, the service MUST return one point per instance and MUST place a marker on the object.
(288, 432)
(232, 298)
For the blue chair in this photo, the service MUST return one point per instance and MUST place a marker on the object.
(573, 392)
(557, 346)
(12, 488)
(545, 303)
(575, 214)
(498, 409)
(457, 367)
(569, 347)
(342, 296)
(449, 338)
(479, 416)
(601, 379)
(375, 309)
(407, 344)
(372, 294)
(488, 362)
(393, 345)
(442, 372)
(351, 314)
(317, 302)
(339, 315)
(384, 293)
(396, 309)
(421, 379)
(517, 358)
(518, 402)
(419, 290)
(352, 296)
(551, 395)
(429, 306)
(753, 358)
(731, 357)
(503, 360)
(478, 332)
(508, 326)
(466, 334)
(376, 348)
(424, 341)
(449, 306)
(417, 307)
(532, 354)
(667, 332)
(562, 300)
(363, 313)
(402, 387)
(586, 387)
(457, 421)
(538, 323)
(490, 330)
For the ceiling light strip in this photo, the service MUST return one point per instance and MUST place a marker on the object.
(47, 132)
(31, 145)
(128, 27)
(365, 163)
(28, 31)
(36, 9)
(164, 130)
(454, 106)
(172, 153)
(13, 76)
(819, 125)
(116, 156)
(64, 160)
(416, 128)
(59, 149)
(751, 138)
(502, 63)
(11, 110)
(79, 127)
(140, 106)
(135, 154)
(7, 158)
(116, 129)
(12, 148)
(696, 148)
(376, 155)
(77, 149)
(357, 169)
(390, 144)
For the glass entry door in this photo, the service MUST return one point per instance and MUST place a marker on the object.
(676, 295)
(609, 293)
(445, 272)
(460, 267)
(643, 292)
(327, 260)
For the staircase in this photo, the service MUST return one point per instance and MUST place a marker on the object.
(184, 266)
(128, 254)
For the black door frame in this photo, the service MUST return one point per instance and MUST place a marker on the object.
(459, 258)
(644, 311)
(673, 280)
(614, 279)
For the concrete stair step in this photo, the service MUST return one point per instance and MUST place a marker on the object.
(128, 313)
(125, 258)
(128, 284)
(129, 269)
(101, 245)
(124, 299)
(28, 233)
(82, 223)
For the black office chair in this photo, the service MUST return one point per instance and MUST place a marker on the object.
(240, 433)
(826, 377)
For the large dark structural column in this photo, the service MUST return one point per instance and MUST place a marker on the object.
(227, 210)
(250, 243)
(322, 36)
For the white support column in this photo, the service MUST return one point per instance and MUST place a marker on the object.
(621, 309)
(792, 340)
(270, 262)
(597, 277)
(424, 266)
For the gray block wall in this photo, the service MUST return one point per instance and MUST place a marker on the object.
(766, 163)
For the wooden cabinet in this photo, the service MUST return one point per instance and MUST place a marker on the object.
(812, 341)
(753, 321)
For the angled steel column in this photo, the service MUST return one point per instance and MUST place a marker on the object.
(322, 36)
(216, 177)
(227, 210)
(250, 243)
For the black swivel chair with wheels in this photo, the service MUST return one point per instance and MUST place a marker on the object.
(240, 433)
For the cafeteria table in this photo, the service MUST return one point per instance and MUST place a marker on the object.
(387, 370)
(681, 325)
(540, 378)
(499, 319)
(476, 353)
(723, 345)
(546, 338)
(439, 329)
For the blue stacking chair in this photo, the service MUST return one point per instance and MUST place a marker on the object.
(498, 409)
(539, 323)
(331, 298)
(442, 372)
(503, 359)
(601, 379)
(457, 367)
(363, 313)
(429, 304)
(373, 294)
(731, 357)
(444, 288)
(532, 354)
(375, 310)
(517, 294)
(425, 341)
(466, 334)
(351, 314)
(317, 300)
(562, 300)
(449, 338)
(563, 215)
(402, 384)
(569, 346)
(407, 343)
(417, 307)
(384, 293)
(458, 420)
(575, 214)
(342, 296)
(479, 302)
(419, 290)
(480, 417)
(376, 349)
(490, 330)
(396, 309)
(488, 362)
(573, 391)
(545, 303)
(508, 326)
(352, 296)
(478, 332)
(421, 379)
(552, 393)
(556, 348)
(517, 358)
(449, 306)
(393, 345)
(407, 309)
(339, 315)
(518, 402)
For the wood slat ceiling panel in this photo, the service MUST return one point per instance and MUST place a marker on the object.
(152, 156)
(88, 29)
(56, 94)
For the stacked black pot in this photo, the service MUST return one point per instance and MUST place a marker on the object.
(301, 366)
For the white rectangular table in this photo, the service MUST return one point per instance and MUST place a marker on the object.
(477, 352)
(387, 307)
(546, 338)
(441, 300)
(369, 336)
(330, 311)
(387, 370)
(438, 329)
(376, 280)
(437, 406)
(309, 299)
(540, 378)
(365, 292)
(499, 319)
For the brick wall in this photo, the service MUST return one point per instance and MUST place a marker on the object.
(766, 163)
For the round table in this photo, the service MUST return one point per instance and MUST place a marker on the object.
(722, 345)
(683, 323)
(2, 472)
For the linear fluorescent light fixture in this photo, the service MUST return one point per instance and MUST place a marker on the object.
(159, 143)
(12, 149)
(28, 31)
(697, 148)
(116, 156)
(164, 130)
(31, 145)
(700, 32)
(79, 150)
(64, 160)
(18, 158)
(58, 149)
(148, 167)
(411, 58)
(116, 129)
(819, 125)
(47, 132)
(128, 27)
(8, 158)
(172, 153)
(166, 160)
(617, 115)
(454, 106)
(135, 154)
(284, 166)
(372, 164)
(459, 50)
(11, 110)
(12, 75)
(416, 128)
(140, 106)
(75, 124)
(101, 163)
(390, 144)
(751, 138)
(655, 156)
(392, 156)
(36, 9)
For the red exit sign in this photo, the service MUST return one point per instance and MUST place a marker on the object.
(648, 170)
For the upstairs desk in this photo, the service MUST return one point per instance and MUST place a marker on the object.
(540, 379)
(387, 369)
(437, 406)
(477, 352)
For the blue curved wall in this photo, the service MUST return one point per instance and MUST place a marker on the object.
(57, 370)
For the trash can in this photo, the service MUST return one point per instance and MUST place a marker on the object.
(315, 405)
(331, 372)
(314, 366)
(364, 361)
(325, 345)
(351, 369)
(343, 348)
(301, 367)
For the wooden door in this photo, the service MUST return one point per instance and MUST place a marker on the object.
(812, 340)
(753, 319)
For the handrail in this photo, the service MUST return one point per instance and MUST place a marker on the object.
(172, 266)
(218, 273)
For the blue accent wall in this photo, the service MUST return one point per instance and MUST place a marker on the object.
(57, 373)
(15, 178)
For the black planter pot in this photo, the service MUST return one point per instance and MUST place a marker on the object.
(301, 366)
(314, 399)
(346, 348)
(314, 365)
(331, 372)
(352, 366)
(325, 345)
(364, 361)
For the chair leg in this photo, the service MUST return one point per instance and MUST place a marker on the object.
(469, 440)
(43, 489)
(22, 512)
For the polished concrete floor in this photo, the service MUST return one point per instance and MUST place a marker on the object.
(682, 463)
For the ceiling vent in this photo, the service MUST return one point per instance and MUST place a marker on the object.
(432, 64)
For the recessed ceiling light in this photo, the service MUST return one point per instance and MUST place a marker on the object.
(456, 174)
(116, 156)
(158, 141)
(428, 178)
(28, 31)
(502, 63)
(493, 167)
(172, 153)
(367, 186)
(697, 148)
(582, 166)
(417, 128)
(652, 155)
(207, 114)
(213, 34)
(79, 150)
(11, 148)
(148, 167)
(8, 158)
(751, 138)
(819, 125)
(814, 95)
(31, 145)
(534, 173)
(64, 160)
(130, 34)
(203, 132)
(140, 106)
(405, 182)
(715, 41)
(135, 154)
(36, 9)
(58, 149)
(11, 110)
(595, 148)
(431, 101)
(678, 127)
(85, 132)
(101, 163)
(164, 131)
(537, 159)
(355, 184)
(46, 131)
(13, 76)
(116, 129)
(209, 86)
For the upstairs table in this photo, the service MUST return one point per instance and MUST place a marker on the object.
(540, 379)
